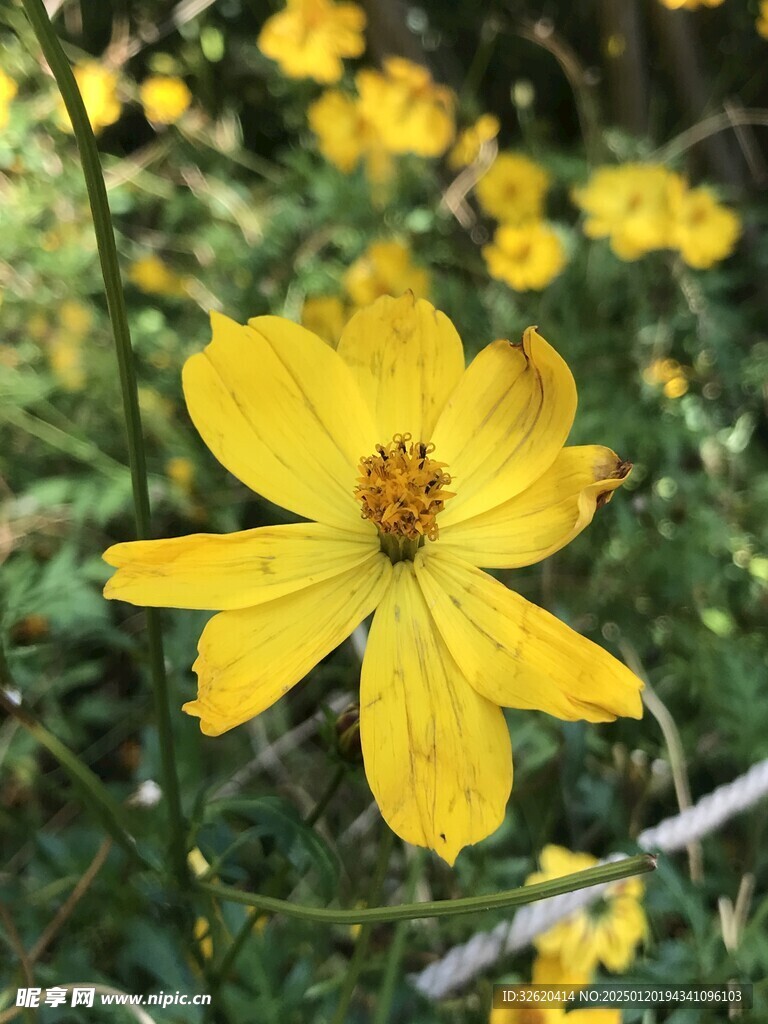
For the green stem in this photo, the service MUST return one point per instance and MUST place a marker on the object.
(110, 269)
(316, 813)
(361, 945)
(108, 811)
(613, 872)
(397, 946)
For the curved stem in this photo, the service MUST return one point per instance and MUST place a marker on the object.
(613, 872)
(110, 269)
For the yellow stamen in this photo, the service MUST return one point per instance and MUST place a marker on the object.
(401, 490)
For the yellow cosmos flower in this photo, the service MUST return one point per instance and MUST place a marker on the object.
(98, 87)
(385, 268)
(526, 257)
(182, 472)
(325, 316)
(670, 374)
(631, 205)
(408, 110)
(704, 231)
(414, 473)
(607, 934)
(8, 90)
(65, 358)
(164, 98)
(534, 1014)
(309, 38)
(346, 137)
(690, 5)
(551, 971)
(154, 277)
(513, 190)
(762, 21)
(471, 140)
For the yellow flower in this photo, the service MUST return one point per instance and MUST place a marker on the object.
(345, 136)
(98, 87)
(325, 316)
(309, 38)
(66, 361)
(8, 89)
(409, 112)
(704, 231)
(527, 257)
(513, 190)
(551, 971)
(762, 21)
(385, 268)
(669, 373)
(534, 1014)
(630, 205)
(690, 5)
(607, 934)
(364, 442)
(75, 318)
(164, 98)
(469, 143)
(154, 277)
(182, 472)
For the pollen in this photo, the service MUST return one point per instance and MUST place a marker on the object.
(402, 489)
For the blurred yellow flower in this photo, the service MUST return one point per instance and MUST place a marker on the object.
(469, 143)
(65, 358)
(762, 20)
(630, 205)
(536, 1014)
(98, 87)
(75, 318)
(8, 89)
(676, 387)
(704, 231)
(690, 5)
(325, 316)
(154, 277)
(605, 933)
(202, 932)
(309, 38)
(358, 441)
(527, 257)
(385, 268)
(410, 112)
(513, 190)
(182, 471)
(164, 98)
(345, 136)
(551, 971)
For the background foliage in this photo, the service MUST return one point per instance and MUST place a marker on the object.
(249, 218)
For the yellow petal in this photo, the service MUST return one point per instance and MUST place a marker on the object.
(437, 754)
(545, 517)
(280, 410)
(407, 358)
(232, 570)
(249, 658)
(504, 424)
(518, 655)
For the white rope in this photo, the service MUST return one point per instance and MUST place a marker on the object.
(464, 962)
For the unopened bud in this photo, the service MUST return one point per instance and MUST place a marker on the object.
(348, 733)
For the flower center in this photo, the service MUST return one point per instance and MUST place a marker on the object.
(402, 489)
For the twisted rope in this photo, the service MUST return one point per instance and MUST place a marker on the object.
(464, 962)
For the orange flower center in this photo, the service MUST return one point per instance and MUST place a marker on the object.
(402, 490)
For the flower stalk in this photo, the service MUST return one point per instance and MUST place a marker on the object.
(613, 872)
(105, 239)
